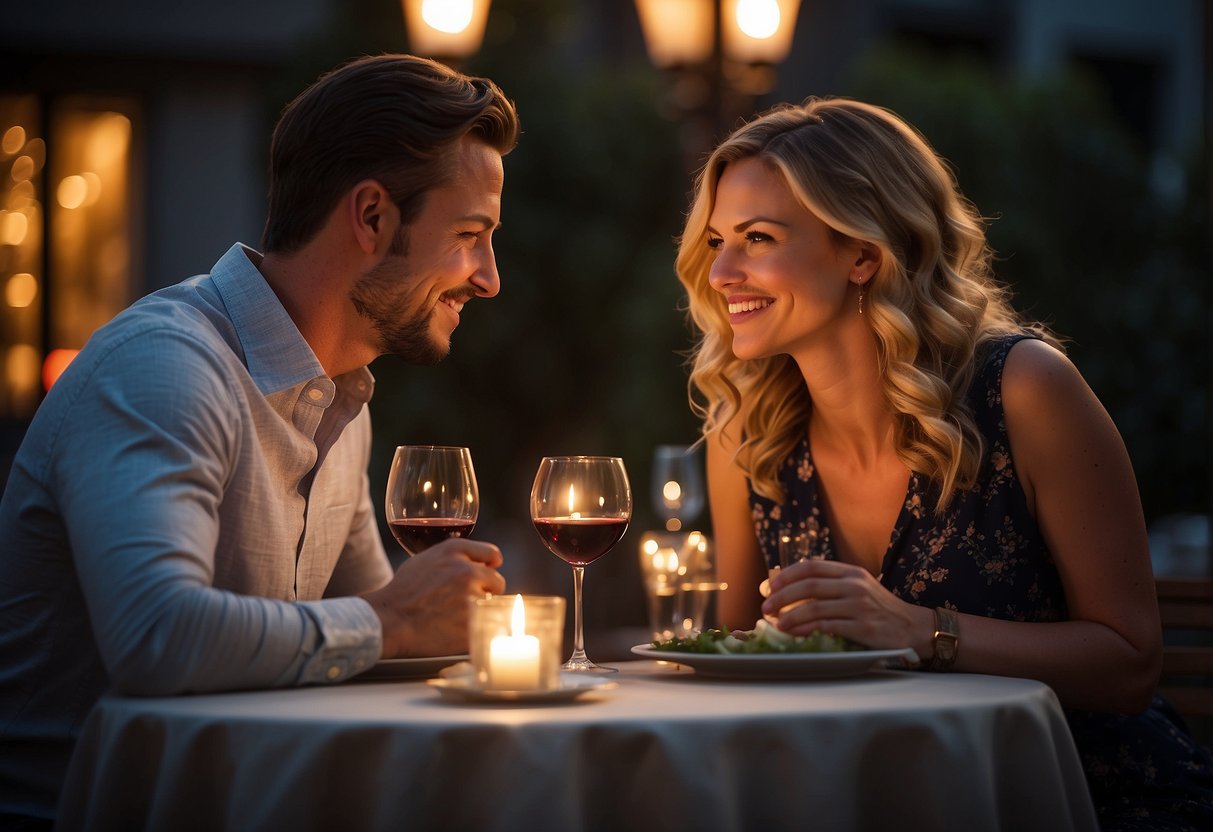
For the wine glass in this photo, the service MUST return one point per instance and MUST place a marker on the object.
(797, 544)
(431, 495)
(678, 492)
(581, 506)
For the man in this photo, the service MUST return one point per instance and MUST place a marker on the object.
(190, 508)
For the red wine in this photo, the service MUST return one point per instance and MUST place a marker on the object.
(580, 540)
(420, 533)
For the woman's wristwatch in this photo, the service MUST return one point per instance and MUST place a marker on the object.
(946, 640)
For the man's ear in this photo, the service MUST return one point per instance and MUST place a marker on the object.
(372, 215)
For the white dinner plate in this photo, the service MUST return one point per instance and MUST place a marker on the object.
(839, 665)
(571, 686)
(410, 668)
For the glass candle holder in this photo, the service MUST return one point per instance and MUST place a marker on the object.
(517, 641)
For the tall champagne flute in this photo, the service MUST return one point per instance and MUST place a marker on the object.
(431, 495)
(581, 506)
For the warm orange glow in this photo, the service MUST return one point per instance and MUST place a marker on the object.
(54, 366)
(72, 191)
(22, 156)
(677, 32)
(758, 19)
(758, 31)
(108, 141)
(445, 28)
(79, 190)
(13, 140)
(13, 227)
(90, 214)
(23, 169)
(449, 16)
(21, 290)
(92, 191)
(21, 195)
(21, 368)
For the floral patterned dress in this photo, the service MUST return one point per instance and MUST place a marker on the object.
(985, 556)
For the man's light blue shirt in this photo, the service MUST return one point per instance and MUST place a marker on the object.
(189, 511)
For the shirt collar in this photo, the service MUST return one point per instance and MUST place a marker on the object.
(275, 352)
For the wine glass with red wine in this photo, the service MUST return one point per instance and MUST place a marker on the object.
(581, 506)
(431, 495)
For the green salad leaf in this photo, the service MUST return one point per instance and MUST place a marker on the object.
(764, 638)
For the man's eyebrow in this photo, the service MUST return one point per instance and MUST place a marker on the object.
(483, 219)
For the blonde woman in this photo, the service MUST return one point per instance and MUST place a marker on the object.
(864, 383)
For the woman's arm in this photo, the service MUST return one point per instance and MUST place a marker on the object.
(1080, 485)
(738, 558)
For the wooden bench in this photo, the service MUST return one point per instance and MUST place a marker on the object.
(1185, 606)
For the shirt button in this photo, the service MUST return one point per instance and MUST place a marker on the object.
(315, 394)
(334, 672)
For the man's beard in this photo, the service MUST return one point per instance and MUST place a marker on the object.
(379, 297)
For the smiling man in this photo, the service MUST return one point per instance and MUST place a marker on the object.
(190, 508)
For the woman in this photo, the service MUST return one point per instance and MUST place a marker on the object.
(864, 381)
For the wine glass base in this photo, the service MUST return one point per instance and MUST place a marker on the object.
(587, 667)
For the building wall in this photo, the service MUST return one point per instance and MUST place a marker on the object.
(233, 30)
(1027, 38)
(200, 71)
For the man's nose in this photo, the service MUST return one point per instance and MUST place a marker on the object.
(486, 279)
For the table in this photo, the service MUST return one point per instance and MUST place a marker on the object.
(664, 750)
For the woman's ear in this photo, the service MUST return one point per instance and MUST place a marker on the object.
(866, 262)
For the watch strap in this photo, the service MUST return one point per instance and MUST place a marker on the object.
(945, 640)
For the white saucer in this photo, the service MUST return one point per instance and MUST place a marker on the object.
(572, 685)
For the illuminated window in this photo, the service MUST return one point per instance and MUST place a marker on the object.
(22, 158)
(76, 189)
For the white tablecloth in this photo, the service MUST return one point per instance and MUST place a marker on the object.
(665, 750)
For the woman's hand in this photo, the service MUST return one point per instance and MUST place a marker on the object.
(846, 600)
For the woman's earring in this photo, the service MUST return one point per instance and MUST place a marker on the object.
(862, 286)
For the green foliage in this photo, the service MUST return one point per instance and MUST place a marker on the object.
(1085, 241)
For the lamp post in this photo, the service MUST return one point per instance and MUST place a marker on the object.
(721, 54)
(447, 30)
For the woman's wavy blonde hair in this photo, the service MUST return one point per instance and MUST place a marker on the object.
(933, 301)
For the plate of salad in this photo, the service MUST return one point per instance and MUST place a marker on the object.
(766, 652)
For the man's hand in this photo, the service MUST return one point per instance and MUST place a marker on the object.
(424, 607)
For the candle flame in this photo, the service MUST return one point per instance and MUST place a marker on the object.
(518, 619)
(572, 501)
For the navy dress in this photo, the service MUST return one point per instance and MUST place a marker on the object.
(985, 556)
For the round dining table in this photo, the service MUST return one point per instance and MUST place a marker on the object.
(665, 749)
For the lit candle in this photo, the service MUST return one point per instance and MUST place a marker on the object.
(514, 659)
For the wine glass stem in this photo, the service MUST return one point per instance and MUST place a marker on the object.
(578, 640)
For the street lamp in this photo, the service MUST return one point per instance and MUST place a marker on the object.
(722, 55)
(445, 29)
(686, 32)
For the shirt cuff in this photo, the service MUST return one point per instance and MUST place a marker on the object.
(349, 640)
